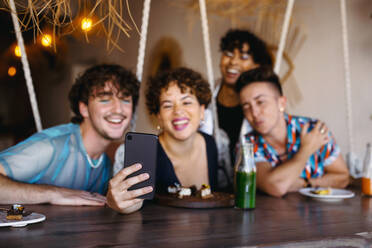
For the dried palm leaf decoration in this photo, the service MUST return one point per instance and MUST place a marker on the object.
(111, 17)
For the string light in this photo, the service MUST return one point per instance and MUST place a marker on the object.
(17, 51)
(46, 40)
(86, 24)
(12, 71)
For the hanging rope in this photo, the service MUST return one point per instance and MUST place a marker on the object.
(208, 59)
(283, 36)
(26, 66)
(142, 43)
(347, 75)
(141, 49)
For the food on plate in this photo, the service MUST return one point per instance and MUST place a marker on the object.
(184, 192)
(173, 189)
(205, 191)
(15, 212)
(181, 192)
(322, 191)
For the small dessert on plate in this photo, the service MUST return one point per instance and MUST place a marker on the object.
(205, 191)
(15, 212)
(181, 192)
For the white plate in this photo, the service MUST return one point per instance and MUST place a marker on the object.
(29, 219)
(336, 194)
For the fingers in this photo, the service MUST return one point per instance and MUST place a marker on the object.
(323, 129)
(319, 128)
(119, 192)
(323, 132)
(127, 207)
(126, 201)
(304, 129)
(316, 138)
(126, 184)
(131, 194)
(124, 173)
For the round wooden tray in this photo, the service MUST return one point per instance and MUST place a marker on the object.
(219, 200)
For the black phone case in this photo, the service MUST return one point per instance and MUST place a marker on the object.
(142, 148)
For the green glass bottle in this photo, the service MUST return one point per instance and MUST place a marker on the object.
(245, 177)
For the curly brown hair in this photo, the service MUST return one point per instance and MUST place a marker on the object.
(236, 38)
(95, 78)
(185, 79)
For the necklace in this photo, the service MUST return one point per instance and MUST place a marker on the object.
(90, 162)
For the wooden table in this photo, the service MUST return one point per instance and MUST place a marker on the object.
(291, 221)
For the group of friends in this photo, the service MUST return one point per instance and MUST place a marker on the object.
(67, 164)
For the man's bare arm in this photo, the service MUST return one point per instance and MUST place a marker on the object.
(335, 175)
(279, 180)
(24, 193)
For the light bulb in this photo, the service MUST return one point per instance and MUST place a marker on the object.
(12, 71)
(17, 51)
(86, 24)
(46, 40)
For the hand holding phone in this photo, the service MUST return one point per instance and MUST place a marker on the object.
(119, 198)
(142, 148)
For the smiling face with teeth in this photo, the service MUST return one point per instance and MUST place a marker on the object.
(180, 112)
(235, 62)
(108, 112)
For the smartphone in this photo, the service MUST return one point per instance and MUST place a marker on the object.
(142, 148)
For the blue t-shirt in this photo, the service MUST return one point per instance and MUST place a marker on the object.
(56, 156)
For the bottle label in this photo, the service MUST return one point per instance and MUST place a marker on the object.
(245, 190)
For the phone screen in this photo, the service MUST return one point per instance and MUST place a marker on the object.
(142, 148)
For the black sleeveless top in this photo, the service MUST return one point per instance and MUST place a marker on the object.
(230, 119)
(166, 176)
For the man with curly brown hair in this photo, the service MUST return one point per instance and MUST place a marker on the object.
(67, 164)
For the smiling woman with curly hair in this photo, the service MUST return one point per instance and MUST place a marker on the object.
(178, 99)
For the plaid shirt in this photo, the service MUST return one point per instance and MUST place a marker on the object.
(326, 155)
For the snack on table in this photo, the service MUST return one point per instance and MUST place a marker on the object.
(181, 192)
(184, 192)
(15, 212)
(173, 189)
(205, 191)
(327, 191)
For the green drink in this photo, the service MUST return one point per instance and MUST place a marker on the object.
(245, 190)
(245, 176)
